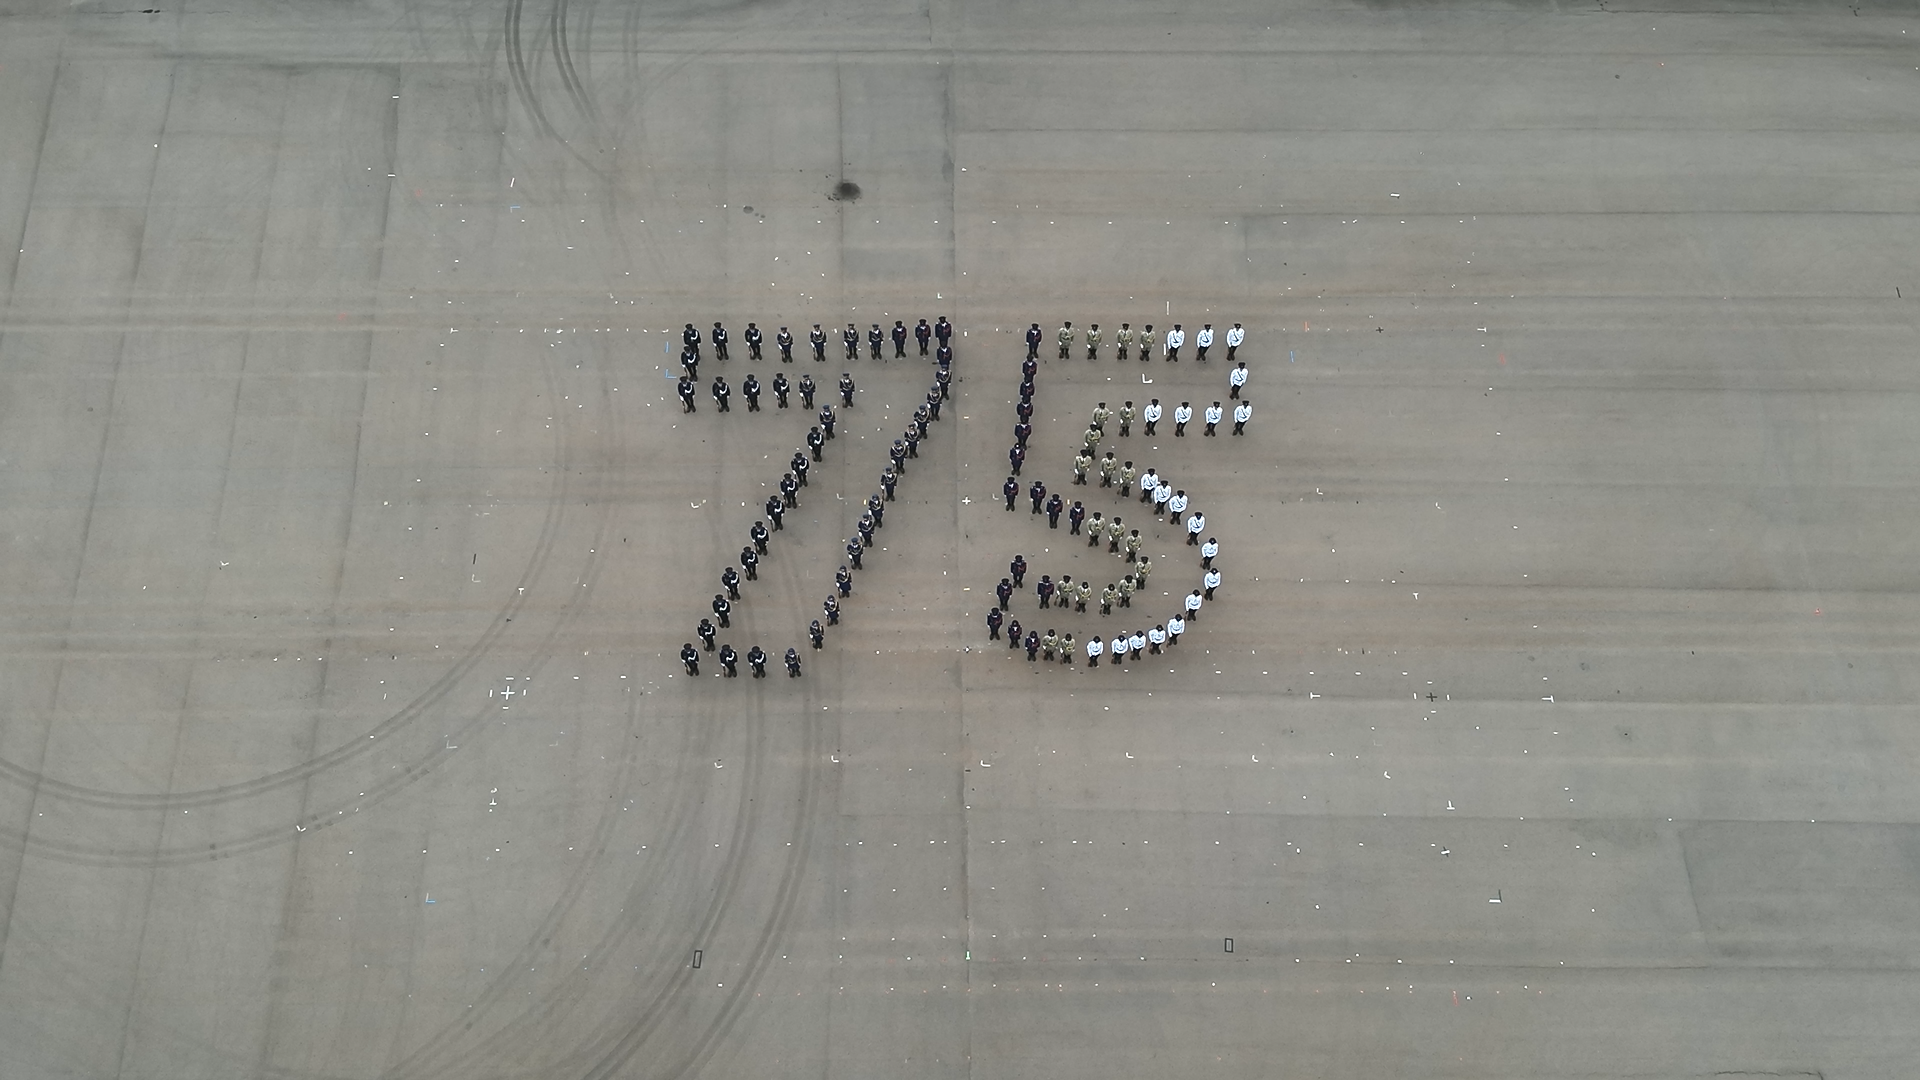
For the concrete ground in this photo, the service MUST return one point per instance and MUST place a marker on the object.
(1556, 717)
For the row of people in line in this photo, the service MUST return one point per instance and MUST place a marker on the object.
(692, 340)
(1124, 339)
(1052, 645)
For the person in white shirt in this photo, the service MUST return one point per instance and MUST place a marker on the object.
(1148, 481)
(1161, 495)
(1203, 341)
(1151, 414)
(1236, 379)
(1176, 506)
(1119, 649)
(1182, 415)
(1207, 551)
(1235, 337)
(1136, 642)
(1176, 337)
(1213, 415)
(1095, 647)
(1242, 413)
(1195, 525)
(1193, 605)
(1211, 581)
(1175, 627)
(1156, 637)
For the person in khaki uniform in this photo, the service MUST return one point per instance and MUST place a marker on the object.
(1116, 531)
(1107, 596)
(1123, 337)
(1066, 339)
(1146, 342)
(1126, 414)
(1127, 473)
(1080, 466)
(1093, 342)
(1107, 468)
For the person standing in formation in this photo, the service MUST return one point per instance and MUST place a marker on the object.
(1162, 495)
(1096, 530)
(818, 339)
(1066, 339)
(994, 621)
(752, 334)
(1081, 464)
(923, 334)
(1037, 494)
(751, 388)
(1146, 343)
(850, 340)
(1127, 472)
(1014, 630)
(1018, 568)
(1213, 416)
(785, 341)
(690, 656)
(793, 662)
(1093, 341)
(1055, 507)
(706, 632)
(1182, 415)
(1176, 337)
(943, 331)
(719, 342)
(686, 395)
(816, 633)
(1193, 606)
(806, 388)
(1176, 506)
(1156, 637)
(757, 660)
(831, 609)
(1207, 552)
(1033, 645)
(899, 339)
(1076, 516)
(1126, 419)
(1151, 415)
(722, 393)
(1242, 413)
(1235, 337)
(1136, 642)
(846, 389)
(874, 340)
(1211, 581)
(690, 340)
(1202, 342)
(1236, 381)
(781, 387)
(1095, 647)
(1119, 649)
(1108, 466)
(1148, 481)
(1004, 591)
(1033, 341)
(1123, 337)
(1175, 627)
(1011, 489)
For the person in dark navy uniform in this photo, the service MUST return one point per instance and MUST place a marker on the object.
(846, 388)
(843, 578)
(785, 341)
(1034, 338)
(1004, 591)
(690, 362)
(719, 342)
(721, 393)
(826, 421)
(758, 534)
(899, 339)
(874, 340)
(1055, 507)
(793, 662)
(1037, 493)
(706, 632)
(691, 339)
(994, 620)
(1011, 489)
(1016, 457)
(805, 386)
(851, 339)
(1018, 568)
(831, 609)
(819, 339)
(854, 550)
(730, 578)
(690, 656)
(751, 388)
(721, 609)
(888, 478)
(752, 336)
(923, 333)
(757, 660)
(776, 509)
(815, 441)
(687, 394)
(780, 388)
(731, 661)
(943, 330)
(750, 562)
(816, 633)
(945, 356)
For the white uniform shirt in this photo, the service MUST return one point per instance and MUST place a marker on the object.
(1149, 480)
(1209, 549)
(1177, 504)
(1214, 413)
(1193, 602)
(1119, 645)
(1242, 412)
(1137, 641)
(1176, 626)
(1182, 414)
(1204, 338)
(1095, 647)
(1235, 336)
(1157, 636)
(1151, 414)
(1237, 377)
(1175, 339)
(1161, 494)
(1197, 524)
(1213, 579)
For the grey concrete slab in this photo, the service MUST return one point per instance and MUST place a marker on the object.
(1555, 717)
